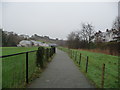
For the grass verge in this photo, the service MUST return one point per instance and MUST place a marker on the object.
(95, 62)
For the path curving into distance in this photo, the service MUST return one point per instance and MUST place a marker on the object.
(61, 72)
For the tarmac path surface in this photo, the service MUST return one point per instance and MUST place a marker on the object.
(61, 72)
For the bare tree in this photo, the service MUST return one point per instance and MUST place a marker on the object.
(10, 38)
(70, 39)
(87, 32)
(116, 24)
(77, 40)
(116, 27)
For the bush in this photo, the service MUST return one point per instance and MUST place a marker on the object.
(43, 54)
(113, 47)
(40, 56)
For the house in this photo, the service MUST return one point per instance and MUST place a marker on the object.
(107, 36)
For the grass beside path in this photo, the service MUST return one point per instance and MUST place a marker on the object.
(95, 62)
(14, 67)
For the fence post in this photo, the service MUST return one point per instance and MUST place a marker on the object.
(75, 56)
(71, 53)
(87, 64)
(103, 73)
(27, 67)
(80, 59)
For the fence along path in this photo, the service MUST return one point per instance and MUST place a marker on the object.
(61, 73)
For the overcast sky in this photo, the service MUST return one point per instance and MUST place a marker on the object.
(56, 19)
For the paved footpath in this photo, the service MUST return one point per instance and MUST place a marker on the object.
(61, 72)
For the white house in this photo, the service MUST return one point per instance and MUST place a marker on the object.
(105, 36)
(108, 35)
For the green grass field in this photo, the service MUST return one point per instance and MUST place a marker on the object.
(95, 62)
(13, 67)
(13, 50)
(0, 73)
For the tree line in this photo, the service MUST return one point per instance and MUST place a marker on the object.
(11, 39)
(87, 38)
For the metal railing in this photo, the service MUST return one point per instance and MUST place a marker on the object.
(16, 54)
(26, 62)
(20, 68)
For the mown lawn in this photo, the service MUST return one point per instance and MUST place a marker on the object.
(95, 62)
(13, 50)
(14, 67)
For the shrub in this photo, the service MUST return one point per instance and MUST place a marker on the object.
(40, 57)
(43, 54)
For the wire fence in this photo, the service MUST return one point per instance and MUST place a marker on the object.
(103, 75)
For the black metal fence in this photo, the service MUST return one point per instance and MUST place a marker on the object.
(17, 69)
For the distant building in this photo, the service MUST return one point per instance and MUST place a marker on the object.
(107, 36)
(30, 43)
(25, 43)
